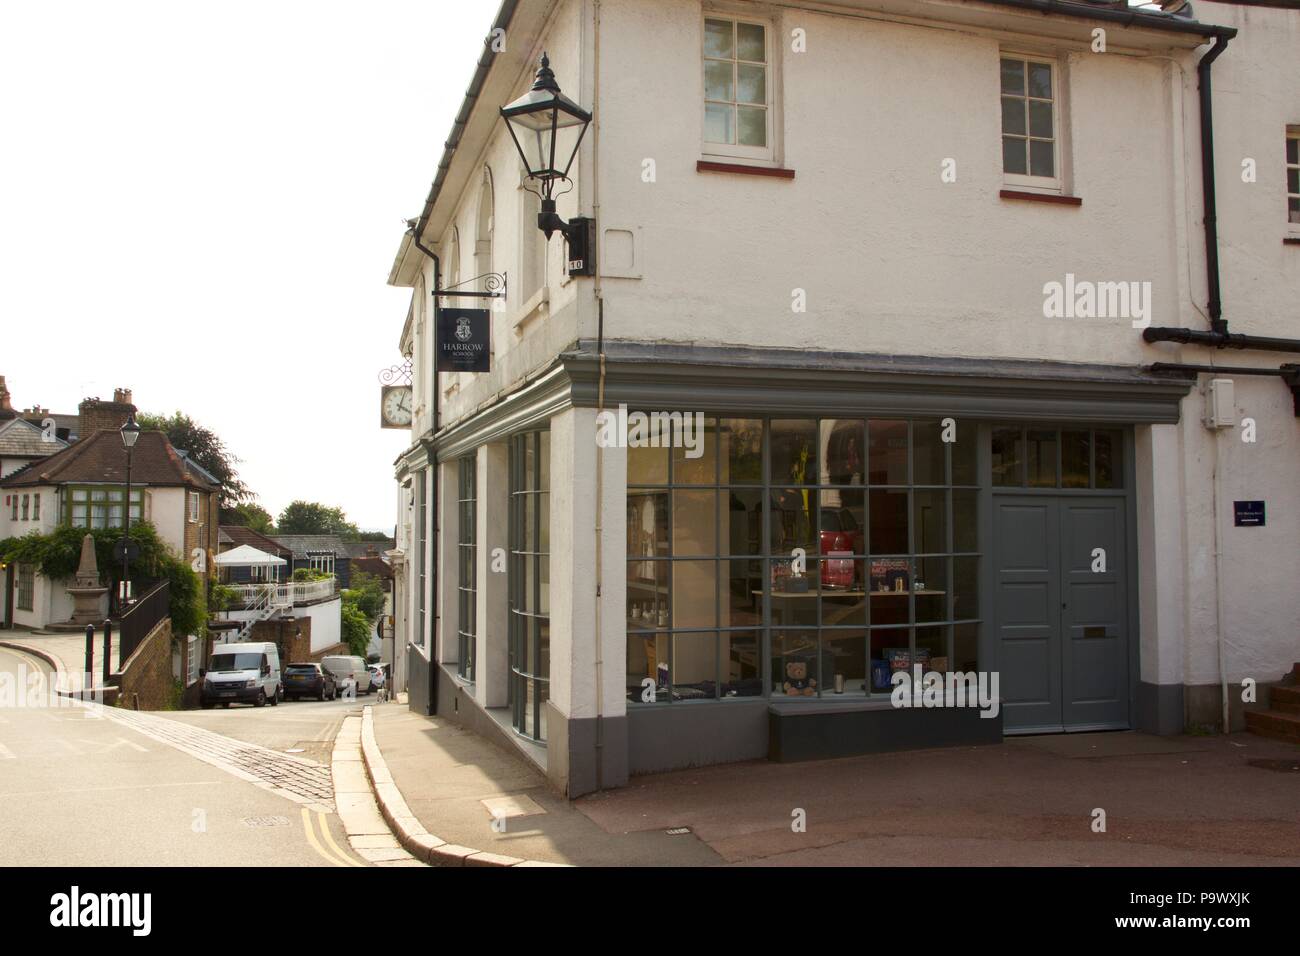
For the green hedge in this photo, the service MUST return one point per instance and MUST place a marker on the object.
(57, 555)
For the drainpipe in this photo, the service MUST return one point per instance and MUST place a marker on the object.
(1207, 183)
(1218, 336)
(1221, 340)
(1218, 581)
(433, 483)
(600, 404)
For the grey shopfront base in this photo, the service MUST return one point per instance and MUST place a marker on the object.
(1159, 708)
(677, 736)
(821, 731)
(575, 763)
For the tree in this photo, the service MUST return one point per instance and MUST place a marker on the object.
(205, 448)
(312, 517)
(367, 593)
(248, 515)
(356, 628)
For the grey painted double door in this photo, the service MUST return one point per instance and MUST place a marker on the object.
(1060, 596)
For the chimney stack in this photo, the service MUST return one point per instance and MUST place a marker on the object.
(94, 414)
(5, 405)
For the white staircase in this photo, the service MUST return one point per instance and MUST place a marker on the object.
(265, 602)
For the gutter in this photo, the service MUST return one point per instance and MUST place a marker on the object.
(1129, 18)
(502, 22)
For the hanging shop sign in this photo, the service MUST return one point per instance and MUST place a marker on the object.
(464, 340)
(1248, 514)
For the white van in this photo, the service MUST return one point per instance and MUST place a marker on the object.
(242, 672)
(346, 668)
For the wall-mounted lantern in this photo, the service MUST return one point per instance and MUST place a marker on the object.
(547, 128)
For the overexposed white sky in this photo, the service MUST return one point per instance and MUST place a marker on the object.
(201, 202)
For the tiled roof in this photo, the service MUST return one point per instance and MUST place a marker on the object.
(302, 544)
(197, 470)
(373, 565)
(101, 458)
(239, 535)
(360, 549)
(21, 439)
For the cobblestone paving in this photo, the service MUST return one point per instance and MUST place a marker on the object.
(302, 781)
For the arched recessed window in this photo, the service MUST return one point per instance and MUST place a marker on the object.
(532, 244)
(422, 343)
(485, 229)
(452, 278)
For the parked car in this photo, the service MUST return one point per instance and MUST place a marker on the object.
(309, 680)
(345, 668)
(242, 673)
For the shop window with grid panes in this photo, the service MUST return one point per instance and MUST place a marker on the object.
(800, 558)
(530, 582)
(466, 554)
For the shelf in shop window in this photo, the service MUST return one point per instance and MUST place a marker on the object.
(833, 592)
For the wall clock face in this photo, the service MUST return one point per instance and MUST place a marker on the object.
(396, 406)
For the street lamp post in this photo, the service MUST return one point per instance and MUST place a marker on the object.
(547, 128)
(130, 431)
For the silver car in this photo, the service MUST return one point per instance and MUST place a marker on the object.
(348, 670)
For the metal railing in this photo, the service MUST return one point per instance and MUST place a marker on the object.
(140, 618)
(283, 593)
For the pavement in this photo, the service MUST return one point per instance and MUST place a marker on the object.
(457, 784)
(1030, 801)
(1114, 799)
(67, 651)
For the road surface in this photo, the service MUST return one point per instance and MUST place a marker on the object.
(126, 789)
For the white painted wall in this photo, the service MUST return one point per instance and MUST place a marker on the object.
(326, 623)
(523, 338)
(167, 510)
(895, 261)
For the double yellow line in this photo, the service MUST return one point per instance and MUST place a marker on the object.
(333, 855)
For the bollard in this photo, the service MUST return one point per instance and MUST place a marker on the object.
(90, 654)
(108, 649)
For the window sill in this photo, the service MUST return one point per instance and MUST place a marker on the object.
(774, 172)
(538, 305)
(1040, 197)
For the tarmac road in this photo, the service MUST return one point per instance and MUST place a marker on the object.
(87, 787)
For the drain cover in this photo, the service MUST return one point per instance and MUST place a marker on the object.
(276, 821)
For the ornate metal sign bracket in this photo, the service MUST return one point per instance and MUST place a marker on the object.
(494, 287)
(397, 374)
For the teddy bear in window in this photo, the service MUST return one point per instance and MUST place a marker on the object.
(797, 681)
